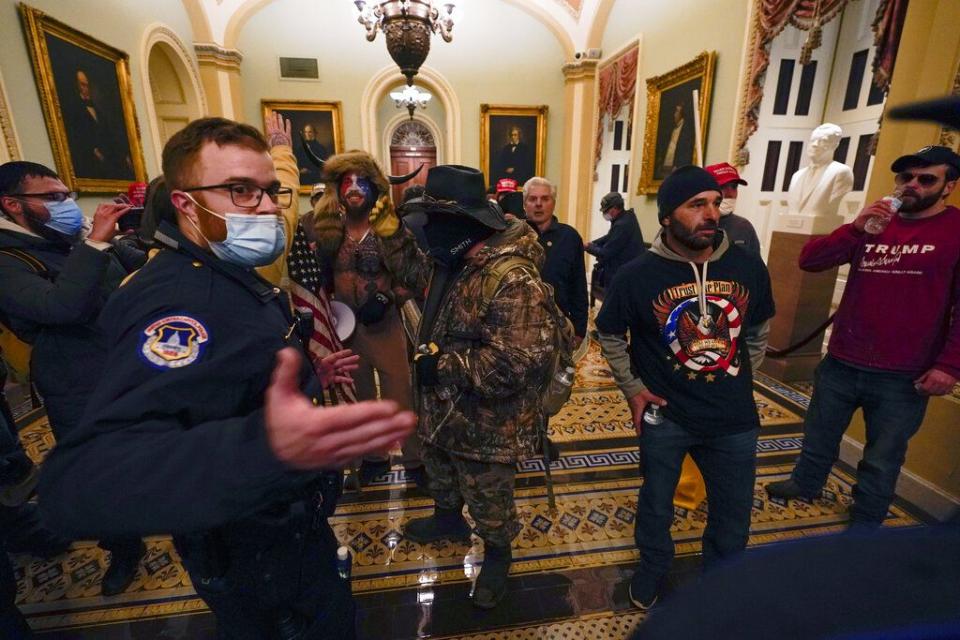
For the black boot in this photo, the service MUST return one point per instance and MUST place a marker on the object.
(444, 524)
(124, 562)
(787, 489)
(492, 581)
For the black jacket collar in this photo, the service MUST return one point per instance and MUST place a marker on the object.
(171, 237)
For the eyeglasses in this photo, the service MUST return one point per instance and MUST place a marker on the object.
(50, 196)
(925, 179)
(249, 195)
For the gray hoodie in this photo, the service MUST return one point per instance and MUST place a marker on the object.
(615, 348)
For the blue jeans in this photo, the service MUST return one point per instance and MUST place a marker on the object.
(728, 464)
(892, 412)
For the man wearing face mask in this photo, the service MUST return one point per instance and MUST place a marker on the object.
(356, 190)
(737, 228)
(623, 243)
(207, 424)
(486, 341)
(56, 273)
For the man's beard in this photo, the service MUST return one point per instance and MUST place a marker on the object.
(46, 232)
(916, 204)
(357, 213)
(689, 238)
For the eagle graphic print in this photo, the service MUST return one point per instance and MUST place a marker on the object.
(699, 341)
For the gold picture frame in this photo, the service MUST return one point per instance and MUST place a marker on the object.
(669, 97)
(498, 154)
(327, 122)
(87, 100)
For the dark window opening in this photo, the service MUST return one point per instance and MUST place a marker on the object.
(618, 135)
(770, 166)
(615, 177)
(793, 162)
(807, 76)
(855, 81)
(862, 162)
(784, 81)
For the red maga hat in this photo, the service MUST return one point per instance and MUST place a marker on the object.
(506, 184)
(725, 173)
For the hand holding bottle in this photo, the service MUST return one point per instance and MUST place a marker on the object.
(880, 213)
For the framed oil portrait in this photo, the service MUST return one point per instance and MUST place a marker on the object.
(87, 102)
(668, 139)
(317, 132)
(513, 142)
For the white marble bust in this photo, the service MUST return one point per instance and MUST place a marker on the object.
(816, 190)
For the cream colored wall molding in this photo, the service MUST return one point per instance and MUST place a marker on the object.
(9, 142)
(153, 35)
(209, 53)
(385, 80)
(739, 109)
(391, 125)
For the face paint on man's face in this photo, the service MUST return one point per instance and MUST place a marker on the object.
(357, 191)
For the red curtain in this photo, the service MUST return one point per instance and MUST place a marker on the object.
(618, 82)
(887, 27)
(773, 16)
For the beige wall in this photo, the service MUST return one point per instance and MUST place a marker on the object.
(674, 32)
(499, 55)
(119, 23)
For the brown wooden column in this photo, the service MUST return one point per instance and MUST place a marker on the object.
(803, 303)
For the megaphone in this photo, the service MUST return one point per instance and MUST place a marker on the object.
(344, 322)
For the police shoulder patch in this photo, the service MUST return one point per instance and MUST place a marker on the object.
(173, 342)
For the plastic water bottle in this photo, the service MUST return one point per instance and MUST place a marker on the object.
(652, 415)
(558, 392)
(344, 563)
(877, 224)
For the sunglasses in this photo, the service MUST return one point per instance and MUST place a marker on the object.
(924, 179)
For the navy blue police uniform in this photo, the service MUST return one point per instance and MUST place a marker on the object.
(174, 441)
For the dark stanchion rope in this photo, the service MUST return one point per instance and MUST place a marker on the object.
(780, 353)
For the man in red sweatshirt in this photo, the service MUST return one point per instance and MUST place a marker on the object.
(896, 336)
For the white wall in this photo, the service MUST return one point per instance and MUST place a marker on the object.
(499, 55)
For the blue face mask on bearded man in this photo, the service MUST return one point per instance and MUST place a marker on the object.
(357, 194)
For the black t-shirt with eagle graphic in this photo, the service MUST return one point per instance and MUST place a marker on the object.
(698, 362)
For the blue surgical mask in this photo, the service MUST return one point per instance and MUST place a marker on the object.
(252, 240)
(65, 217)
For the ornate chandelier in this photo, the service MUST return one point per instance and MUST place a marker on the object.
(411, 98)
(407, 25)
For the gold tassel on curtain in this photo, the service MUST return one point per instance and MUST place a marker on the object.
(814, 37)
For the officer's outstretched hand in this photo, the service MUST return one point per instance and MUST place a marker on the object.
(305, 436)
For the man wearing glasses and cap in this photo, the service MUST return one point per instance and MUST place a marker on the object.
(896, 337)
(205, 424)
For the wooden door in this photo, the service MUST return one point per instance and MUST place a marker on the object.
(411, 145)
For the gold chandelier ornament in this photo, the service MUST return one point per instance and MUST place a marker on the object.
(407, 25)
(412, 98)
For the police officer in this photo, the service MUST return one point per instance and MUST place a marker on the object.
(187, 432)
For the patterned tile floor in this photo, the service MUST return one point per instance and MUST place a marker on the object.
(571, 563)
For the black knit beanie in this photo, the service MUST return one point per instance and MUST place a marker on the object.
(680, 186)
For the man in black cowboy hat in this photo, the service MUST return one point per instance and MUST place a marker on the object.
(486, 343)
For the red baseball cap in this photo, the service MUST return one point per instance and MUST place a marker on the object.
(725, 173)
(506, 184)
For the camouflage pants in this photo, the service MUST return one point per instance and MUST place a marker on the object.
(486, 487)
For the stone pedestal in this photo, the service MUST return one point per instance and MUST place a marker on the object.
(803, 303)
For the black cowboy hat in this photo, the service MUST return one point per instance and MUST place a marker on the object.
(457, 190)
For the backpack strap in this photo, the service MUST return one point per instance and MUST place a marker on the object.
(38, 267)
(494, 275)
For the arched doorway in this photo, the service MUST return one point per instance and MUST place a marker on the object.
(411, 145)
(174, 103)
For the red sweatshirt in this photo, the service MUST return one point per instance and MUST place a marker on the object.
(901, 295)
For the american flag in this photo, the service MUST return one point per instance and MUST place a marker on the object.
(307, 292)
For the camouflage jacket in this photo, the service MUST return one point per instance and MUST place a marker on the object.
(497, 363)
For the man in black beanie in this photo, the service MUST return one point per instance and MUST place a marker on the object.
(687, 372)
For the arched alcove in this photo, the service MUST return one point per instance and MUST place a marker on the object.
(386, 80)
(172, 83)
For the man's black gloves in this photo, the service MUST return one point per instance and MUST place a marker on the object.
(373, 310)
(425, 362)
